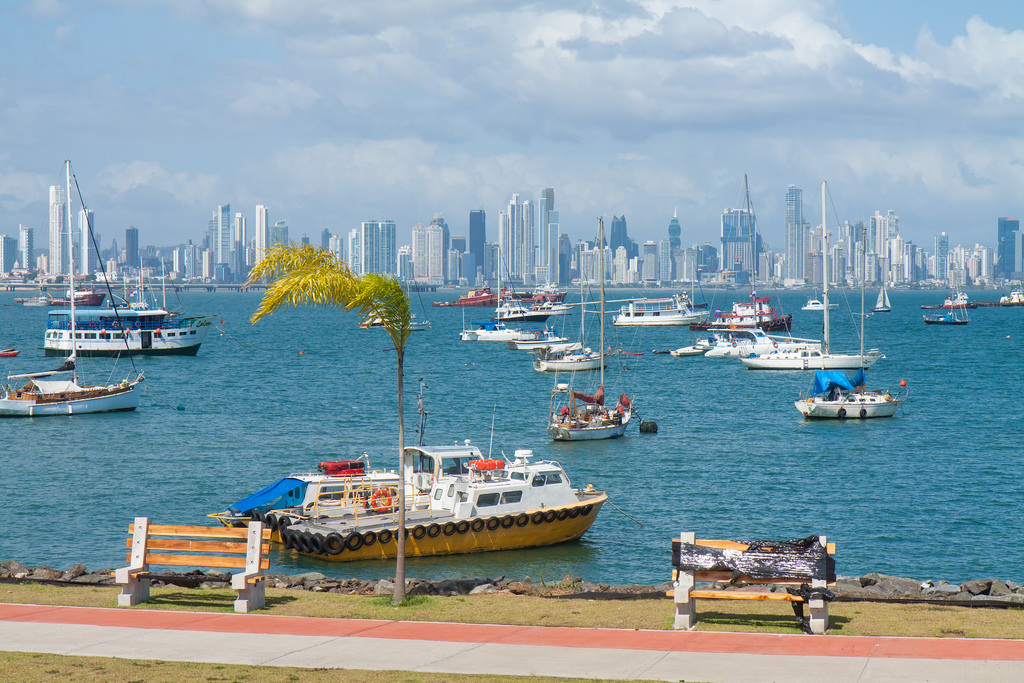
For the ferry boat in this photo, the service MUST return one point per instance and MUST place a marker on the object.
(675, 310)
(129, 331)
(457, 501)
(755, 313)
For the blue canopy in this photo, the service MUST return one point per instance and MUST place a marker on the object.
(272, 492)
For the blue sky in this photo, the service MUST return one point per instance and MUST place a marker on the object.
(333, 113)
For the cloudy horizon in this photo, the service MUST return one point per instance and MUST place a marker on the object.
(335, 113)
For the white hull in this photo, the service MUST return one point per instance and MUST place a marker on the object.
(561, 433)
(854, 406)
(689, 351)
(569, 363)
(662, 320)
(672, 311)
(810, 361)
(118, 400)
(184, 341)
(505, 335)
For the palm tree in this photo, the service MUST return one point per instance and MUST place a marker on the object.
(307, 275)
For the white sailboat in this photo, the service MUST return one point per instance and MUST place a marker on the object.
(570, 357)
(882, 304)
(40, 397)
(575, 416)
(833, 395)
(815, 359)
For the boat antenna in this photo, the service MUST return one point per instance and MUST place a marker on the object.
(103, 271)
(490, 444)
(423, 413)
(824, 270)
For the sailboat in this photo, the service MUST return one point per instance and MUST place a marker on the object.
(575, 416)
(956, 315)
(882, 304)
(811, 358)
(39, 397)
(833, 395)
(570, 357)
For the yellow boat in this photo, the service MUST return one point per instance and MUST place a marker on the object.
(457, 501)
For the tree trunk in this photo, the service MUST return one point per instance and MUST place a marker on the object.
(399, 595)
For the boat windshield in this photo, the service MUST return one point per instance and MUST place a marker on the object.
(455, 465)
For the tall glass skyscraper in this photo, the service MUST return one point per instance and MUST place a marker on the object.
(478, 237)
(1006, 243)
(796, 249)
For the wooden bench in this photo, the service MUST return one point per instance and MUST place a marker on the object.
(220, 547)
(807, 563)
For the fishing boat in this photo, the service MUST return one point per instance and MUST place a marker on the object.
(955, 300)
(954, 316)
(816, 305)
(41, 300)
(40, 397)
(833, 395)
(474, 297)
(90, 297)
(758, 312)
(458, 501)
(810, 358)
(575, 416)
(674, 310)
(882, 304)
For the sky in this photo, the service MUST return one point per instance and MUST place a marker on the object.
(331, 113)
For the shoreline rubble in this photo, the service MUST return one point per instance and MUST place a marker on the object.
(873, 586)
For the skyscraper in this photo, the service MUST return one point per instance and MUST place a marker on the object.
(477, 234)
(516, 239)
(58, 237)
(260, 234)
(548, 254)
(221, 238)
(1006, 242)
(26, 247)
(737, 225)
(88, 259)
(131, 247)
(277, 233)
(427, 252)
(674, 231)
(8, 253)
(941, 256)
(377, 248)
(796, 247)
(619, 237)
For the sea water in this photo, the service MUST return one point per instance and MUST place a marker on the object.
(933, 493)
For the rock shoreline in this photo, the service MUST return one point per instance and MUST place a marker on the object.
(872, 586)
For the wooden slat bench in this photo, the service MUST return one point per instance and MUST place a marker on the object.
(218, 547)
(808, 564)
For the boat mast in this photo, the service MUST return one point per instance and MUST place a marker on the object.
(600, 275)
(753, 254)
(71, 273)
(863, 277)
(824, 270)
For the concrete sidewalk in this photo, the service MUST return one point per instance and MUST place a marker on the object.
(511, 650)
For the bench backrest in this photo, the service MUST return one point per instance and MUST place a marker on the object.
(757, 561)
(221, 547)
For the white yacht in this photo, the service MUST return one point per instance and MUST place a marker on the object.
(674, 310)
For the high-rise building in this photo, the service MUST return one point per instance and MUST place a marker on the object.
(131, 247)
(516, 239)
(428, 252)
(88, 259)
(325, 239)
(548, 253)
(260, 234)
(564, 259)
(941, 256)
(459, 243)
(59, 256)
(240, 239)
(650, 257)
(665, 260)
(554, 267)
(222, 241)
(796, 233)
(1006, 241)
(675, 231)
(8, 253)
(618, 237)
(737, 225)
(277, 233)
(26, 247)
(477, 234)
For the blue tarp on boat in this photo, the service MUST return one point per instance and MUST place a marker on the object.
(272, 492)
(826, 379)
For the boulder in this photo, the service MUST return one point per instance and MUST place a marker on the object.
(299, 580)
(45, 573)
(94, 578)
(998, 588)
(940, 589)
(483, 589)
(386, 587)
(13, 568)
(977, 587)
(891, 586)
(73, 573)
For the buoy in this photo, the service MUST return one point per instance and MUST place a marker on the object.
(903, 382)
(181, 407)
(302, 353)
(648, 427)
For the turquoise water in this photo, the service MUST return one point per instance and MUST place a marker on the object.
(933, 493)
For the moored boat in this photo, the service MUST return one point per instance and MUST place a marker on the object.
(458, 501)
(90, 297)
(131, 331)
(755, 313)
(674, 310)
(815, 305)
(474, 297)
(833, 395)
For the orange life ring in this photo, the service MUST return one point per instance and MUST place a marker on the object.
(377, 503)
(734, 345)
(775, 344)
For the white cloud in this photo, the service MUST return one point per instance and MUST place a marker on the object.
(273, 97)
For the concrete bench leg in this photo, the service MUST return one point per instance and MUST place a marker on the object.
(686, 612)
(819, 609)
(133, 590)
(250, 598)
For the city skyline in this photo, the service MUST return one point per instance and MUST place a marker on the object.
(635, 108)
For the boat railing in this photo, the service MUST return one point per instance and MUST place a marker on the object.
(161, 323)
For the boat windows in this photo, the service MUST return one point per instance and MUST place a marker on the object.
(521, 476)
(554, 478)
(538, 480)
(453, 466)
(437, 494)
(511, 497)
(421, 462)
(451, 490)
(486, 500)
